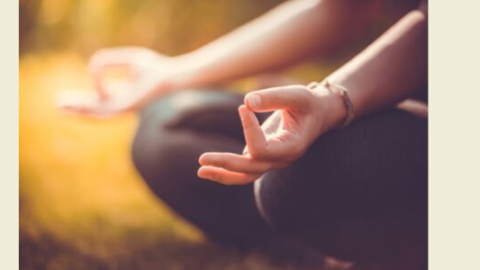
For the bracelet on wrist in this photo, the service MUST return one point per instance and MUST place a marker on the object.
(345, 97)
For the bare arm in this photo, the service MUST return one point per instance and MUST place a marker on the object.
(288, 34)
(391, 69)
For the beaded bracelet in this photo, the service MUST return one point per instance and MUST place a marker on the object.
(346, 99)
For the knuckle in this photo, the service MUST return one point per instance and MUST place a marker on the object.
(272, 97)
(276, 95)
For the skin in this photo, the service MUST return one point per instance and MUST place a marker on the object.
(305, 29)
(373, 84)
(393, 68)
(296, 122)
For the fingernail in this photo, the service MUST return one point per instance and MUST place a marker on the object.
(254, 101)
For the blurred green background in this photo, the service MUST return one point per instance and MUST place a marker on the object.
(82, 205)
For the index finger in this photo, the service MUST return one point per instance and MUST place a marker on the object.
(108, 58)
(278, 98)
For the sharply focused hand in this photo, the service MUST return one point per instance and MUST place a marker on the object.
(148, 76)
(300, 116)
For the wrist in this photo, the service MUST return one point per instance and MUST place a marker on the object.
(332, 109)
(186, 72)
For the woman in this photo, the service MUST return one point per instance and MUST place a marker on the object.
(336, 165)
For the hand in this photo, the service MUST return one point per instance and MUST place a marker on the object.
(149, 75)
(301, 115)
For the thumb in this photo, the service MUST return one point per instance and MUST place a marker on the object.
(278, 98)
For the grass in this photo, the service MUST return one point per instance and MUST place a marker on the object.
(82, 205)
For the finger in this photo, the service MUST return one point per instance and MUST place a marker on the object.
(71, 97)
(103, 59)
(226, 177)
(81, 108)
(116, 57)
(81, 103)
(98, 85)
(88, 111)
(254, 136)
(278, 98)
(235, 163)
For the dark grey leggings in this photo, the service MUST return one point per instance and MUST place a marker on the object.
(359, 192)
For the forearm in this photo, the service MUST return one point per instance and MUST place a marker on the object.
(393, 68)
(288, 34)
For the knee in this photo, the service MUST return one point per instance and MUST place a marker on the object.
(169, 129)
(294, 200)
(296, 215)
(277, 202)
(174, 109)
(321, 203)
(188, 107)
(293, 212)
(150, 140)
(164, 118)
(160, 138)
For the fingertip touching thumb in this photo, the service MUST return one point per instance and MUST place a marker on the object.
(253, 101)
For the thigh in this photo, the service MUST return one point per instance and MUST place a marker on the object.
(358, 192)
(173, 132)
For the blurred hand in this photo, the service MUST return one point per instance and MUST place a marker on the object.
(148, 76)
(300, 116)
